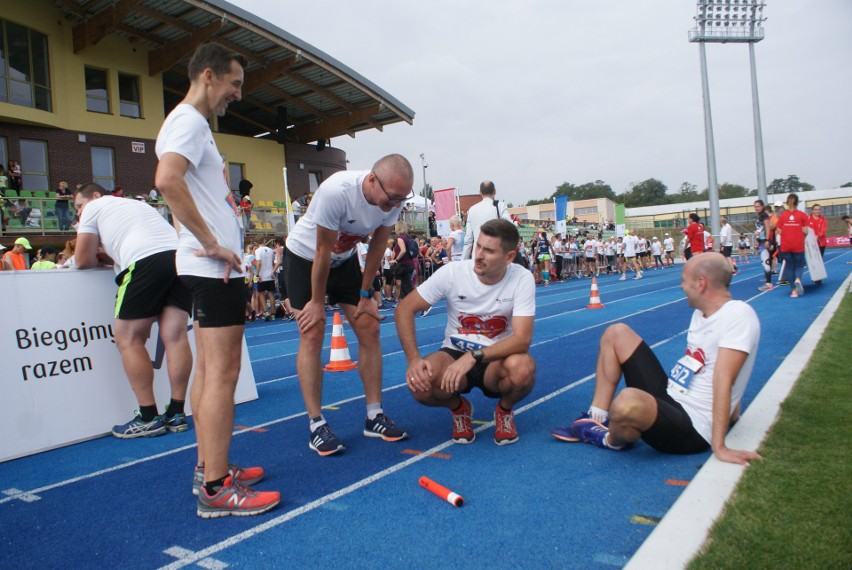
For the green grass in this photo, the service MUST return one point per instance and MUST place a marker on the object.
(794, 508)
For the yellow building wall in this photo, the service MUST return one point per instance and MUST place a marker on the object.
(264, 164)
(263, 159)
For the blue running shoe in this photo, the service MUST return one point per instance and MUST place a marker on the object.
(589, 431)
(385, 428)
(137, 428)
(567, 434)
(175, 423)
(324, 441)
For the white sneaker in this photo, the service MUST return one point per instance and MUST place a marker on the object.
(622, 278)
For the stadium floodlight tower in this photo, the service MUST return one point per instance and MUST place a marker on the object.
(729, 21)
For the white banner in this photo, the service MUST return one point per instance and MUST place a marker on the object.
(63, 381)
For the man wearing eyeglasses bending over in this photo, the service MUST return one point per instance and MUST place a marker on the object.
(320, 260)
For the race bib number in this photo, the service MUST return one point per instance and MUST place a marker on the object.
(682, 373)
(466, 343)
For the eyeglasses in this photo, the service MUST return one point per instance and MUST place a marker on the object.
(391, 198)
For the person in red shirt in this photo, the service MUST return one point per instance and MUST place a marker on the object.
(819, 225)
(793, 226)
(695, 233)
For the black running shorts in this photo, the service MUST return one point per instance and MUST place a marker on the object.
(672, 431)
(146, 286)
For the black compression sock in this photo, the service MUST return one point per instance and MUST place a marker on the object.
(148, 413)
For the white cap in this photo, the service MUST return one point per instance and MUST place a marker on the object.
(667, 235)
(778, 204)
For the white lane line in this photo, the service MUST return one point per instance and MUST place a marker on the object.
(208, 563)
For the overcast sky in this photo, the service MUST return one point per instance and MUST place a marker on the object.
(534, 93)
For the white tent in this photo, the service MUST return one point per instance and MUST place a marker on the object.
(419, 203)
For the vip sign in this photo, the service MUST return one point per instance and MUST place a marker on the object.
(137, 147)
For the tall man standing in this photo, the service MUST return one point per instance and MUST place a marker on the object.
(320, 260)
(490, 314)
(142, 245)
(190, 178)
(488, 209)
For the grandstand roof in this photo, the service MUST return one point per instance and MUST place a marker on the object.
(323, 98)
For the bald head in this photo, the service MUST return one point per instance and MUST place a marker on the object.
(713, 266)
(486, 188)
(395, 165)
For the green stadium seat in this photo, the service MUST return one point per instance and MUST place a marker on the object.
(25, 194)
(11, 193)
(39, 194)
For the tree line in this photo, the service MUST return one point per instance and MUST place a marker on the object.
(652, 192)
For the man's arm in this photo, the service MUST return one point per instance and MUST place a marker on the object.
(419, 372)
(170, 180)
(86, 251)
(728, 365)
(7, 263)
(314, 310)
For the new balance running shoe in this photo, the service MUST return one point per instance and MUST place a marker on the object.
(505, 432)
(248, 476)
(462, 423)
(385, 428)
(235, 499)
(324, 441)
(138, 428)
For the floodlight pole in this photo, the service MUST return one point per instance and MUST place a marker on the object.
(712, 184)
(758, 131)
(723, 21)
(423, 193)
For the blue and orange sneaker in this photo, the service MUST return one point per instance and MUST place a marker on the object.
(589, 431)
(385, 428)
(567, 433)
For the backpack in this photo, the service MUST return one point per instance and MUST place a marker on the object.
(411, 247)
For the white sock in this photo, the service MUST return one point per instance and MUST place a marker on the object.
(599, 415)
(374, 410)
(609, 445)
(317, 421)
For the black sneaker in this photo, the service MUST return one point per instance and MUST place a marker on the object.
(384, 428)
(324, 441)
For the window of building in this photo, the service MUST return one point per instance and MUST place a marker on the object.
(24, 67)
(314, 179)
(585, 211)
(103, 167)
(128, 96)
(97, 90)
(34, 165)
(4, 152)
(236, 171)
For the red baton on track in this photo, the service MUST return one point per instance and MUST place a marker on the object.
(452, 498)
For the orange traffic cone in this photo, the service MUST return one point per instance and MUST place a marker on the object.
(594, 298)
(340, 360)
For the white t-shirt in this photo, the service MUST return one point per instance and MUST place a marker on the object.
(630, 245)
(129, 230)
(266, 257)
(668, 244)
(477, 215)
(457, 250)
(655, 248)
(640, 244)
(387, 257)
(726, 236)
(339, 204)
(479, 315)
(734, 326)
(186, 132)
(589, 248)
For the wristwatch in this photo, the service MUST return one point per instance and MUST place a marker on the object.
(478, 355)
(366, 293)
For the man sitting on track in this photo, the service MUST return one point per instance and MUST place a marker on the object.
(490, 314)
(691, 408)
